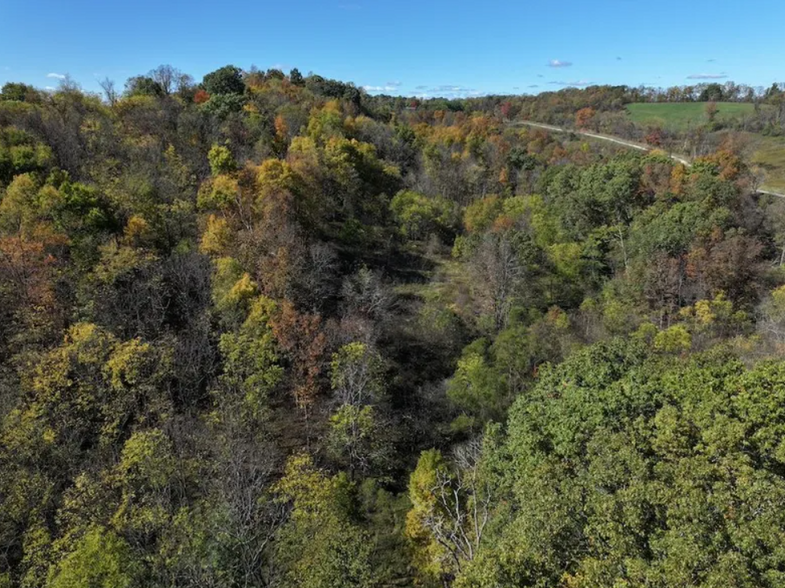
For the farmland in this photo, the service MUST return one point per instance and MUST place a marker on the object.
(680, 116)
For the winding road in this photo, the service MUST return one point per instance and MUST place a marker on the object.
(624, 142)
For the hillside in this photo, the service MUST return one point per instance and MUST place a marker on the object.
(264, 329)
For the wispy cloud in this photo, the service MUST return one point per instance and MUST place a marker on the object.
(712, 60)
(449, 88)
(577, 84)
(533, 86)
(448, 91)
(559, 63)
(56, 76)
(388, 87)
(378, 88)
(516, 87)
(705, 76)
(50, 88)
(618, 59)
(540, 76)
(421, 87)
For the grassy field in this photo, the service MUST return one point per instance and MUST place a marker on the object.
(680, 116)
(768, 155)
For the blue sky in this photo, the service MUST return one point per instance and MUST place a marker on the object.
(426, 47)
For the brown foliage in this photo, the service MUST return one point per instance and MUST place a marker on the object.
(584, 117)
(654, 137)
(28, 272)
(301, 337)
(656, 178)
(731, 265)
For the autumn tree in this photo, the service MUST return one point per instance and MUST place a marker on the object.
(584, 118)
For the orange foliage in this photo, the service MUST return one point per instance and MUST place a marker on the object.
(678, 179)
(584, 117)
(730, 165)
(200, 97)
(281, 128)
(502, 224)
(504, 176)
(281, 135)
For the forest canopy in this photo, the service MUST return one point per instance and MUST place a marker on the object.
(267, 330)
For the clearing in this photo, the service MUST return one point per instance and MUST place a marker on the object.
(680, 116)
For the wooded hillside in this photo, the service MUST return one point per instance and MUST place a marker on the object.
(266, 330)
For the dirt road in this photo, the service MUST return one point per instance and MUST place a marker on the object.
(624, 142)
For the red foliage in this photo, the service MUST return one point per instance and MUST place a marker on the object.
(654, 137)
(201, 97)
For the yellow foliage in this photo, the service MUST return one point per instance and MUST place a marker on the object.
(219, 193)
(244, 289)
(274, 174)
(678, 179)
(778, 296)
(137, 231)
(18, 207)
(129, 363)
(674, 339)
(704, 313)
(217, 236)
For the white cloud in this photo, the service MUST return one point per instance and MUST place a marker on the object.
(388, 87)
(448, 91)
(559, 63)
(577, 84)
(50, 88)
(425, 91)
(56, 76)
(453, 91)
(705, 76)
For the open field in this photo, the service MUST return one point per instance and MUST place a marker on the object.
(679, 116)
(768, 154)
(765, 153)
